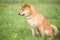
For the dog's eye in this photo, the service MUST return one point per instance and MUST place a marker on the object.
(23, 9)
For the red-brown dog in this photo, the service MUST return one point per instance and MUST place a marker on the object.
(38, 23)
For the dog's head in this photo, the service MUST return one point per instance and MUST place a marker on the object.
(26, 10)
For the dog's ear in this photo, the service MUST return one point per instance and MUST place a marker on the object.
(25, 5)
(22, 5)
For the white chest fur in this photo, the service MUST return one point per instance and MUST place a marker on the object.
(32, 22)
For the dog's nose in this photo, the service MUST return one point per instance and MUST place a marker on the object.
(18, 13)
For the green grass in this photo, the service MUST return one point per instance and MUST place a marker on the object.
(15, 27)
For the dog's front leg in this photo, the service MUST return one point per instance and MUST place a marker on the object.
(32, 30)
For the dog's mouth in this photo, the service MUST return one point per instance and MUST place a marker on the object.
(22, 14)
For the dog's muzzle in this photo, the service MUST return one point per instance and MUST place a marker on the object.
(20, 14)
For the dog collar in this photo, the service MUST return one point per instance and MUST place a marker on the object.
(30, 17)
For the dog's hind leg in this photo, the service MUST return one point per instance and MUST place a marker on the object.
(41, 30)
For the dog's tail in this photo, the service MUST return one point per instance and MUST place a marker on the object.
(54, 29)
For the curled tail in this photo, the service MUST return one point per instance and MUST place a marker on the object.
(55, 29)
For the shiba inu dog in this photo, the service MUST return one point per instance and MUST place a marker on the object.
(38, 23)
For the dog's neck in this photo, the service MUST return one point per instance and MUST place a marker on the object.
(31, 16)
(33, 13)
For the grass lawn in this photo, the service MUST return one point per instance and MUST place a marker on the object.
(15, 27)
